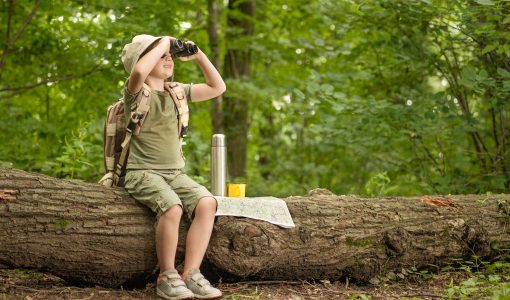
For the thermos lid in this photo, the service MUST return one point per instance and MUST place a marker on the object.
(218, 140)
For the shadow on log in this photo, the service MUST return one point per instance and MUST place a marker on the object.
(87, 233)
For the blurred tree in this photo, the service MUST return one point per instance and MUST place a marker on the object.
(240, 30)
(214, 11)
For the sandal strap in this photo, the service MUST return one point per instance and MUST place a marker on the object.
(200, 279)
(176, 283)
(173, 278)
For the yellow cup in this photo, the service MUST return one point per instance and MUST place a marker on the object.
(236, 190)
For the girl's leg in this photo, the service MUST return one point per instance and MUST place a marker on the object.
(199, 234)
(167, 233)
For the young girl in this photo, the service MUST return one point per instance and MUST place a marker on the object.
(154, 168)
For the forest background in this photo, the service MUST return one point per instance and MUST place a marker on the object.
(359, 97)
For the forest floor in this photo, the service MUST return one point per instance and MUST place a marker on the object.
(457, 284)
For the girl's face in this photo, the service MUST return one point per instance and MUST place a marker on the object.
(164, 68)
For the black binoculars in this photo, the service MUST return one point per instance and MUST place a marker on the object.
(179, 48)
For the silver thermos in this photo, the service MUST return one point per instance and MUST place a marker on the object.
(218, 165)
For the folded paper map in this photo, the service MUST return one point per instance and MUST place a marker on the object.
(269, 209)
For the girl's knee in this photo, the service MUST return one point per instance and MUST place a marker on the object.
(174, 212)
(206, 205)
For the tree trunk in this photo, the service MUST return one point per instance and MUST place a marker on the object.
(88, 233)
(214, 43)
(338, 236)
(79, 231)
(241, 14)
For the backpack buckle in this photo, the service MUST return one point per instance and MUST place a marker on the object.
(184, 131)
(136, 116)
(134, 121)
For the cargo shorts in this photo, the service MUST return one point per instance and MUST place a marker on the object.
(162, 189)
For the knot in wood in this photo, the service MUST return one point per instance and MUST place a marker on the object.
(396, 242)
(477, 240)
(252, 231)
(251, 242)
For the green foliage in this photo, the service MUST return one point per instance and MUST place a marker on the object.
(491, 283)
(360, 297)
(81, 157)
(362, 97)
(376, 184)
(246, 294)
(479, 279)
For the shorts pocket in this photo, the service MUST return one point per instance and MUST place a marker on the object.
(133, 180)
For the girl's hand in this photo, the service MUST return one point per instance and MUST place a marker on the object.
(191, 57)
(169, 37)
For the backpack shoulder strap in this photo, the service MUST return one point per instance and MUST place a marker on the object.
(140, 107)
(178, 94)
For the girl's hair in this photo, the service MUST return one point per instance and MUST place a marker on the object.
(151, 46)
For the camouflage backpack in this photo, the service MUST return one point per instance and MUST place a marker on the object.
(118, 133)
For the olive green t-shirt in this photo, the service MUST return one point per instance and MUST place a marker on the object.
(157, 147)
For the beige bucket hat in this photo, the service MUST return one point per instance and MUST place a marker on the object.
(132, 51)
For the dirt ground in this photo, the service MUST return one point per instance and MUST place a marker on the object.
(31, 285)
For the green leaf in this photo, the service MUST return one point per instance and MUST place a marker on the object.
(484, 2)
(374, 281)
(469, 73)
(327, 88)
(467, 83)
(482, 75)
(489, 48)
(356, 8)
(495, 244)
(504, 73)
(339, 95)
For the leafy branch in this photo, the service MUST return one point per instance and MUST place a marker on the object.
(10, 42)
(21, 89)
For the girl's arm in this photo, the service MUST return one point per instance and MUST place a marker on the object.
(145, 65)
(213, 86)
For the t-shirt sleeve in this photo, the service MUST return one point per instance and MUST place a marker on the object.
(187, 90)
(128, 96)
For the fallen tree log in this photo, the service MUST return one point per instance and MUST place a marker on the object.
(88, 233)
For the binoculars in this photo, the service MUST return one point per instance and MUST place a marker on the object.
(179, 48)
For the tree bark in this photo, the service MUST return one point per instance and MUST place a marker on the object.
(88, 233)
(240, 16)
(80, 231)
(214, 43)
